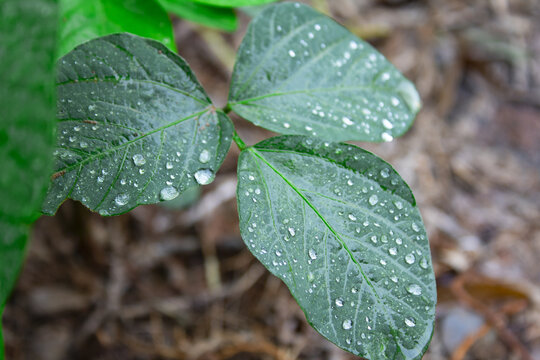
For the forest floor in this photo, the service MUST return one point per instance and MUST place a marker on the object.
(161, 283)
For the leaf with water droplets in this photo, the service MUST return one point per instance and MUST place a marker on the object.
(299, 72)
(212, 16)
(149, 129)
(28, 33)
(358, 264)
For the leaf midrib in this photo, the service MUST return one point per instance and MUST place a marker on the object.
(336, 234)
(127, 143)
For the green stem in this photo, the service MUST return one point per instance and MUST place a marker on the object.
(227, 109)
(239, 142)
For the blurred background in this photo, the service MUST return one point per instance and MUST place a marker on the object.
(177, 282)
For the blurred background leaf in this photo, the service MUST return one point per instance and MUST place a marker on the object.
(27, 44)
(211, 16)
(82, 20)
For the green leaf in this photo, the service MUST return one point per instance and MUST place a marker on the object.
(299, 72)
(215, 17)
(27, 44)
(82, 20)
(135, 127)
(233, 3)
(341, 228)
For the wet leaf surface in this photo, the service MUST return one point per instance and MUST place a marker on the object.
(135, 127)
(299, 72)
(341, 228)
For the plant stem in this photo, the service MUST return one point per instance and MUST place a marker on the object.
(227, 109)
(239, 142)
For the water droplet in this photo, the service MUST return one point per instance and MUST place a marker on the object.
(374, 239)
(83, 144)
(387, 124)
(168, 193)
(385, 172)
(415, 227)
(139, 160)
(292, 53)
(292, 231)
(100, 179)
(352, 217)
(410, 322)
(347, 324)
(398, 204)
(373, 199)
(278, 253)
(383, 262)
(204, 157)
(410, 95)
(310, 277)
(347, 121)
(121, 199)
(392, 251)
(387, 137)
(353, 45)
(339, 302)
(423, 263)
(409, 259)
(414, 289)
(286, 125)
(204, 176)
(169, 165)
(312, 254)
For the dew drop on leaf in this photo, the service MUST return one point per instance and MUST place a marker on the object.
(121, 199)
(414, 289)
(312, 254)
(204, 176)
(373, 199)
(410, 322)
(139, 160)
(347, 324)
(387, 137)
(410, 95)
(387, 124)
(204, 157)
(168, 193)
(409, 259)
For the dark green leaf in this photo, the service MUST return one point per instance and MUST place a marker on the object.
(233, 3)
(82, 20)
(299, 72)
(341, 228)
(135, 126)
(27, 44)
(215, 17)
